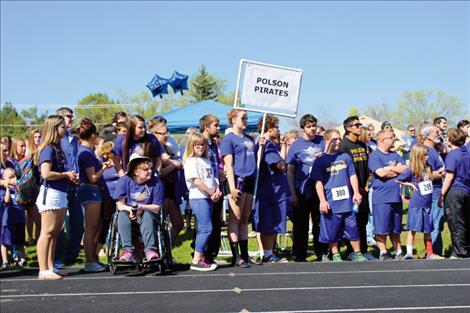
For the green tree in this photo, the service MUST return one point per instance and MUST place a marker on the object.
(11, 122)
(204, 86)
(32, 118)
(425, 105)
(98, 107)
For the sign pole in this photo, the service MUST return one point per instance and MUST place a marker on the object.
(258, 162)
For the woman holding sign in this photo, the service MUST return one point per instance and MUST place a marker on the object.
(237, 149)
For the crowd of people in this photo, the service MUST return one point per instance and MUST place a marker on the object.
(62, 185)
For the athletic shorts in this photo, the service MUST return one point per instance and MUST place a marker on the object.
(420, 220)
(333, 227)
(387, 218)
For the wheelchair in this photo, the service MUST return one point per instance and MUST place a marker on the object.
(164, 244)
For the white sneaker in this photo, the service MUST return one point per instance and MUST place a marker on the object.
(93, 267)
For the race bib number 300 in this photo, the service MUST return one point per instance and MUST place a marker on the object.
(340, 193)
(425, 187)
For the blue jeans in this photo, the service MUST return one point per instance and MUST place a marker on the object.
(370, 225)
(438, 223)
(73, 225)
(147, 229)
(202, 209)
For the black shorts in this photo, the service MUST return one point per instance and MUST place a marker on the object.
(248, 185)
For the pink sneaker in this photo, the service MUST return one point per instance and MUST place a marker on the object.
(151, 255)
(127, 256)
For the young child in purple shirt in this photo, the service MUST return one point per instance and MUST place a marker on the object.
(337, 187)
(12, 222)
(419, 178)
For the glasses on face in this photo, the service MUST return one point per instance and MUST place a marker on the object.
(357, 125)
(199, 145)
(70, 116)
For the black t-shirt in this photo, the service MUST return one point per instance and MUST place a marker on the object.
(358, 152)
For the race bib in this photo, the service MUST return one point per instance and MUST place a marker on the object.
(425, 187)
(340, 193)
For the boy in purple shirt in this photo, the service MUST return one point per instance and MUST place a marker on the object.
(456, 194)
(337, 187)
(139, 195)
(386, 165)
(300, 159)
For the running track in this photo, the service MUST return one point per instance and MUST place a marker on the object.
(394, 286)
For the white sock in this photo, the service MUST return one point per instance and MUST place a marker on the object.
(409, 249)
(267, 253)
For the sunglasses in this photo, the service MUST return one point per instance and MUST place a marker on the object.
(357, 125)
(69, 116)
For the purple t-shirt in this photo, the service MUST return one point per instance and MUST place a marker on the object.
(110, 177)
(150, 192)
(272, 183)
(420, 199)
(13, 213)
(386, 190)
(334, 171)
(59, 163)
(86, 158)
(436, 163)
(243, 151)
(302, 155)
(134, 146)
(458, 162)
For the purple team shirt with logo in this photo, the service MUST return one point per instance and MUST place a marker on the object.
(150, 192)
(334, 171)
(302, 155)
(243, 151)
(417, 200)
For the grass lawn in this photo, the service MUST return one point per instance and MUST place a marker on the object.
(182, 250)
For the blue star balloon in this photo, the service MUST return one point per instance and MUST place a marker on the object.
(179, 82)
(158, 86)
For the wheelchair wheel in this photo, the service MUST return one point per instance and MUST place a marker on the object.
(113, 268)
(113, 239)
(167, 256)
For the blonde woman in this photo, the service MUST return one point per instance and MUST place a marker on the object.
(52, 199)
(203, 193)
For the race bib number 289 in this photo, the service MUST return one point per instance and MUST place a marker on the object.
(340, 193)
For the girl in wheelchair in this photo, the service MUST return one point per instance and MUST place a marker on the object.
(139, 197)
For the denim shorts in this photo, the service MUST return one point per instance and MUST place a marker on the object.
(88, 194)
(51, 199)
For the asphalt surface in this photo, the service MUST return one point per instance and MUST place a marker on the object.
(393, 286)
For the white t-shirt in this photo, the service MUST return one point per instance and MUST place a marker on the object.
(199, 168)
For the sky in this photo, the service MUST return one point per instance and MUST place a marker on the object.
(353, 54)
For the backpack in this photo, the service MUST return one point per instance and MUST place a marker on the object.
(27, 182)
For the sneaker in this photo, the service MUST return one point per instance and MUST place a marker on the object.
(434, 256)
(325, 258)
(369, 256)
(408, 257)
(454, 257)
(358, 257)
(59, 264)
(203, 266)
(337, 257)
(93, 267)
(254, 261)
(385, 257)
(151, 255)
(271, 259)
(399, 256)
(59, 272)
(21, 263)
(5, 266)
(127, 256)
(242, 263)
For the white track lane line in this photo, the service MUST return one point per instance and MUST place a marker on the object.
(235, 290)
(231, 274)
(419, 308)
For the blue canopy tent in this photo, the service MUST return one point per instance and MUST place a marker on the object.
(181, 119)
